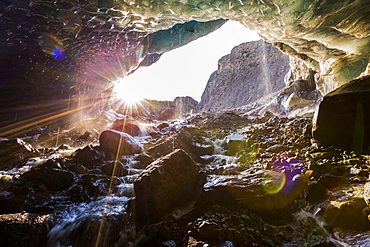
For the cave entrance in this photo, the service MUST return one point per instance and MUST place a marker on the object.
(183, 71)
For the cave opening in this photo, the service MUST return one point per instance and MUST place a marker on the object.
(246, 170)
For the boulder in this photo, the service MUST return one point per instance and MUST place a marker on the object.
(190, 139)
(168, 186)
(114, 168)
(13, 151)
(89, 156)
(350, 214)
(127, 125)
(113, 142)
(343, 118)
(23, 229)
(263, 193)
(51, 179)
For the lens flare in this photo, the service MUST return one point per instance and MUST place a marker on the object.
(274, 181)
(51, 45)
(140, 54)
(281, 176)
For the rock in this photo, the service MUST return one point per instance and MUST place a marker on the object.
(162, 125)
(343, 117)
(294, 101)
(184, 106)
(162, 148)
(168, 113)
(51, 179)
(114, 142)
(89, 156)
(188, 139)
(143, 160)
(114, 168)
(367, 193)
(235, 144)
(127, 125)
(251, 71)
(168, 186)
(23, 229)
(13, 152)
(352, 214)
(254, 192)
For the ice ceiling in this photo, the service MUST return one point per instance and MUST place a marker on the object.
(62, 49)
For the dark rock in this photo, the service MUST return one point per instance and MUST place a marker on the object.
(162, 125)
(25, 199)
(115, 142)
(51, 179)
(167, 186)
(88, 156)
(316, 192)
(13, 152)
(191, 140)
(343, 119)
(77, 168)
(162, 148)
(350, 214)
(23, 229)
(114, 168)
(143, 160)
(257, 192)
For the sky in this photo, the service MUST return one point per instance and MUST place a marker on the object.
(185, 70)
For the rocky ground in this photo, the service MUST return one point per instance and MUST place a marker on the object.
(225, 179)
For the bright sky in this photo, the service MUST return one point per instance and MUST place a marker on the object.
(185, 70)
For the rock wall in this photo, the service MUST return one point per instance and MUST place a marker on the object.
(251, 71)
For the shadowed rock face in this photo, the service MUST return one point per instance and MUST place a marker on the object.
(61, 53)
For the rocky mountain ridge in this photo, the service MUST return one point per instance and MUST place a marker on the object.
(251, 71)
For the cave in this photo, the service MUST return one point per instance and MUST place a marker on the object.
(261, 157)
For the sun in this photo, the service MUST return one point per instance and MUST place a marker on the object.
(128, 92)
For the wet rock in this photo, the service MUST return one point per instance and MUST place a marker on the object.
(114, 168)
(168, 186)
(127, 125)
(162, 148)
(162, 125)
(343, 117)
(367, 193)
(190, 140)
(235, 144)
(13, 152)
(89, 156)
(143, 160)
(115, 142)
(23, 229)
(260, 192)
(26, 199)
(316, 192)
(350, 214)
(49, 178)
(77, 168)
